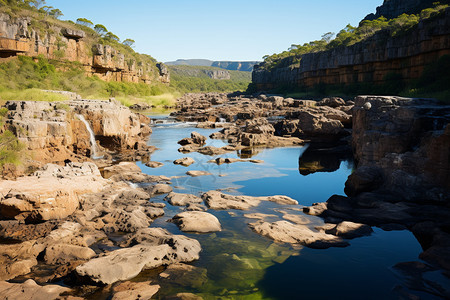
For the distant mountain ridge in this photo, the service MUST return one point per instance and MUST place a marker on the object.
(246, 66)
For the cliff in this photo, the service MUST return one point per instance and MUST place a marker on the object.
(369, 61)
(32, 34)
(394, 8)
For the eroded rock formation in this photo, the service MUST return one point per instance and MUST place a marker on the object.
(369, 61)
(64, 42)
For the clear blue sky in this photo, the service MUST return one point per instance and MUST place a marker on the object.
(217, 30)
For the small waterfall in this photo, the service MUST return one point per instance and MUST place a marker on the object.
(91, 137)
(222, 120)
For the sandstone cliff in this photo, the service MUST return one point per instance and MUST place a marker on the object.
(33, 35)
(394, 8)
(53, 133)
(369, 61)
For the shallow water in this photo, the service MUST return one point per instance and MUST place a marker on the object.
(243, 265)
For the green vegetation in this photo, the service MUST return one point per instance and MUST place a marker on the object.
(23, 78)
(10, 147)
(351, 35)
(196, 79)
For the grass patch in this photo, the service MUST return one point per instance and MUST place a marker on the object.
(159, 101)
(30, 95)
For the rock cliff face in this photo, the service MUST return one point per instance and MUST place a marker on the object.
(52, 133)
(19, 36)
(368, 61)
(406, 140)
(394, 8)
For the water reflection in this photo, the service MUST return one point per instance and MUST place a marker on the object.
(316, 159)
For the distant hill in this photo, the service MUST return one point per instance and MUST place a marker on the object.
(246, 66)
(207, 79)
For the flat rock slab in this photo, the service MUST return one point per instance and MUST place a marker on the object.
(287, 232)
(197, 221)
(185, 161)
(182, 199)
(218, 200)
(197, 173)
(185, 275)
(155, 247)
(30, 290)
(51, 193)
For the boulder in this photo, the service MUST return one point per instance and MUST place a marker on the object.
(154, 164)
(64, 253)
(182, 199)
(30, 290)
(217, 200)
(185, 161)
(197, 221)
(350, 230)
(155, 248)
(159, 189)
(287, 232)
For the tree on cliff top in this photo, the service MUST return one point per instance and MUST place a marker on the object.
(129, 42)
(85, 22)
(100, 29)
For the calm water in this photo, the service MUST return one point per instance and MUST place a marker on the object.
(239, 264)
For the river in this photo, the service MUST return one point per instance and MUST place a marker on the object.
(236, 263)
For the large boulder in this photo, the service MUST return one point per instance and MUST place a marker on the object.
(154, 247)
(287, 232)
(197, 221)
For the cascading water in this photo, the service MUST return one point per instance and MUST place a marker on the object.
(91, 137)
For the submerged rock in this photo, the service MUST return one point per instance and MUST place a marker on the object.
(197, 221)
(197, 173)
(135, 290)
(185, 275)
(286, 232)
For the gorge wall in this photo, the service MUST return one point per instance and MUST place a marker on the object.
(394, 8)
(369, 61)
(62, 41)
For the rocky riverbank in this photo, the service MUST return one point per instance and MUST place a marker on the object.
(86, 223)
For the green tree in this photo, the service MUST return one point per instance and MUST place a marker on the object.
(111, 36)
(129, 42)
(56, 13)
(100, 29)
(85, 22)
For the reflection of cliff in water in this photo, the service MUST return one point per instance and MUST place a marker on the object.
(322, 159)
(247, 153)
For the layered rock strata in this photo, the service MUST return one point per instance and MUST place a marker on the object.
(369, 61)
(65, 42)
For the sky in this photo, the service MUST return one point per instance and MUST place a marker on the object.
(238, 30)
